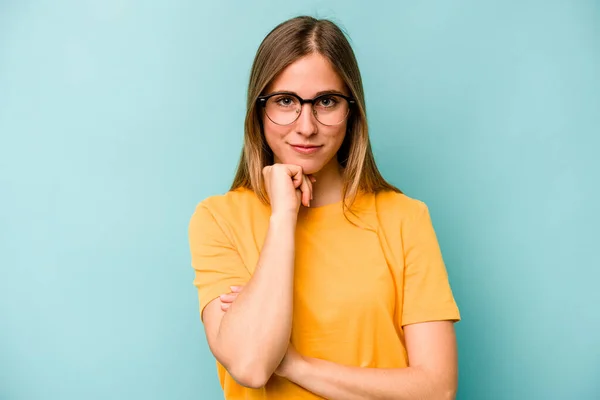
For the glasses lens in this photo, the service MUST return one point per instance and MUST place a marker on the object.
(283, 109)
(331, 109)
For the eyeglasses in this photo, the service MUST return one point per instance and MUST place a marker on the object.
(284, 108)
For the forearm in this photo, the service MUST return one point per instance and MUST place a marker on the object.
(255, 332)
(337, 382)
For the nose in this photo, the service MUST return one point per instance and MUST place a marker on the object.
(306, 124)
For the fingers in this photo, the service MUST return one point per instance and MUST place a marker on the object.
(228, 298)
(306, 189)
(303, 183)
(310, 180)
(296, 174)
(304, 192)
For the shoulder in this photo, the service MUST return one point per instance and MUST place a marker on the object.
(228, 208)
(399, 205)
(230, 201)
(399, 214)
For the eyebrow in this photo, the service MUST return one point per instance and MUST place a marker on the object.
(322, 92)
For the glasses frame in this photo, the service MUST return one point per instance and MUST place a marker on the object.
(262, 100)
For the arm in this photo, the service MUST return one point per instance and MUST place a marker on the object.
(252, 337)
(432, 373)
(431, 346)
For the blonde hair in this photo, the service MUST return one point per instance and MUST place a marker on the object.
(286, 43)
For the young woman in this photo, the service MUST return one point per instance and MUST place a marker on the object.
(317, 278)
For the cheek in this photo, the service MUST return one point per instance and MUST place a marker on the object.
(337, 136)
(273, 133)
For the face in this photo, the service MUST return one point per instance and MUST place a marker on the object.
(306, 142)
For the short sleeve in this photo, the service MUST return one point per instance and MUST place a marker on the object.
(427, 294)
(216, 262)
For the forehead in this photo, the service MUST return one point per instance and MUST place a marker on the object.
(307, 76)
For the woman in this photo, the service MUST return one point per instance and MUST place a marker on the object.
(317, 278)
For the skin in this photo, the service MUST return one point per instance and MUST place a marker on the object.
(432, 372)
(297, 180)
(252, 338)
(307, 77)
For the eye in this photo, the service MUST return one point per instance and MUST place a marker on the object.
(327, 102)
(285, 101)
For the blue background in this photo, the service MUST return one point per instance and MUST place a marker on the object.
(117, 117)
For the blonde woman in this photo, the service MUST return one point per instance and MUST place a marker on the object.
(316, 278)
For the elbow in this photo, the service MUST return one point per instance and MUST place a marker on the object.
(248, 367)
(249, 375)
(441, 385)
(247, 370)
(446, 391)
(447, 394)
(250, 379)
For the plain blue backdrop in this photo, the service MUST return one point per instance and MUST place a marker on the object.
(118, 116)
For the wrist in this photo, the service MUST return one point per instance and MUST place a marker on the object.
(300, 370)
(283, 218)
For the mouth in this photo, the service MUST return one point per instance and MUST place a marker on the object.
(305, 149)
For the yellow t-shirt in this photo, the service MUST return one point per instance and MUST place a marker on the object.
(355, 287)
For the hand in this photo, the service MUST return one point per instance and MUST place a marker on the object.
(287, 187)
(228, 298)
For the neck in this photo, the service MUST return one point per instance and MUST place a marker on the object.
(328, 187)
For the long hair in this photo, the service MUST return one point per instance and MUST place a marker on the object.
(286, 43)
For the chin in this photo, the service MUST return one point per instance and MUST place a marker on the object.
(308, 166)
(310, 171)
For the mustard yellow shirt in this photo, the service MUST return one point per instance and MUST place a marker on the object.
(359, 277)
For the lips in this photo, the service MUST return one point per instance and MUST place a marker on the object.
(305, 149)
(305, 146)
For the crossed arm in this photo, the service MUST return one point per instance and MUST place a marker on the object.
(252, 352)
(432, 374)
